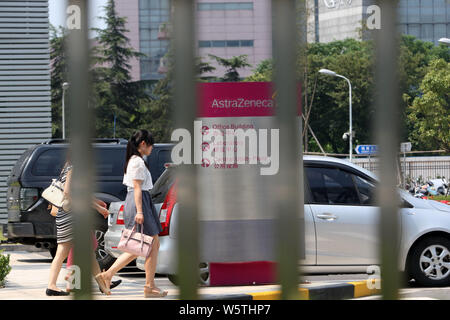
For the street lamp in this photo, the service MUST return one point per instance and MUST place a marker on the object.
(65, 86)
(445, 41)
(350, 132)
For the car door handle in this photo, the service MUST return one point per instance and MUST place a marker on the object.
(327, 216)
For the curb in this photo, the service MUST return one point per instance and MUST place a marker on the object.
(19, 247)
(341, 291)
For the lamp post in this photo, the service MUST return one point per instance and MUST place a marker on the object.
(350, 132)
(445, 41)
(65, 86)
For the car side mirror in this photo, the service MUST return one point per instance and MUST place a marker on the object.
(406, 204)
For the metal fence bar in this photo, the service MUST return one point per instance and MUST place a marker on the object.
(289, 195)
(387, 136)
(81, 132)
(185, 113)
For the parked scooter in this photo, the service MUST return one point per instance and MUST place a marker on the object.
(432, 187)
(441, 186)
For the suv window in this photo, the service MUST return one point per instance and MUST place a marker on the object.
(109, 162)
(156, 162)
(331, 186)
(366, 190)
(49, 163)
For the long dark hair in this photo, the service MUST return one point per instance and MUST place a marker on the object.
(133, 143)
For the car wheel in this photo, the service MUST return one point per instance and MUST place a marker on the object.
(203, 275)
(104, 259)
(430, 262)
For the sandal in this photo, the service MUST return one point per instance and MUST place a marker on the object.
(154, 292)
(102, 284)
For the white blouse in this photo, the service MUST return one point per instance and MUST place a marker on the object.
(136, 170)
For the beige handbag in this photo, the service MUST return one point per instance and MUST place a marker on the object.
(55, 193)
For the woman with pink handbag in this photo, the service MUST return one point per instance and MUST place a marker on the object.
(139, 210)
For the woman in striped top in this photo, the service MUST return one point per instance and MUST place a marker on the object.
(64, 236)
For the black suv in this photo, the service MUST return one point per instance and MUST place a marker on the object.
(29, 221)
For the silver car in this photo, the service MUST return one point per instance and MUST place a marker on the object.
(341, 227)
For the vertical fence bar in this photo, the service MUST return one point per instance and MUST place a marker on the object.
(387, 136)
(81, 124)
(289, 191)
(185, 113)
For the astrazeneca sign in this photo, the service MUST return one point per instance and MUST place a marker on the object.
(336, 4)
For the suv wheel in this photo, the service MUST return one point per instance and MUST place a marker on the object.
(104, 259)
(430, 262)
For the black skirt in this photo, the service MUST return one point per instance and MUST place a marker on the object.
(152, 226)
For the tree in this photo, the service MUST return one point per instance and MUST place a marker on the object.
(232, 65)
(430, 112)
(58, 76)
(156, 113)
(115, 94)
(262, 72)
(354, 59)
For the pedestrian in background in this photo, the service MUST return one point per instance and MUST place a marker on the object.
(64, 236)
(139, 209)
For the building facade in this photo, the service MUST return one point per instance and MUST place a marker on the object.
(329, 20)
(228, 28)
(224, 28)
(25, 114)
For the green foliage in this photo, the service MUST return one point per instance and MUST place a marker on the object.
(329, 117)
(355, 60)
(115, 94)
(5, 268)
(232, 65)
(438, 198)
(58, 76)
(262, 72)
(430, 111)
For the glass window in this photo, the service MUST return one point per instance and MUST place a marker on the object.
(366, 190)
(218, 6)
(413, 11)
(233, 6)
(332, 186)
(233, 43)
(154, 4)
(316, 185)
(246, 43)
(204, 44)
(246, 6)
(110, 162)
(427, 32)
(426, 12)
(439, 31)
(144, 4)
(162, 186)
(219, 43)
(414, 30)
(206, 6)
(49, 163)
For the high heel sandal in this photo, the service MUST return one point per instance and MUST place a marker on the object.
(154, 292)
(103, 285)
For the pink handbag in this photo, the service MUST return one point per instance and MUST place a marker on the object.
(136, 243)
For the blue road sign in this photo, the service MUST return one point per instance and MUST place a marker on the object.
(366, 149)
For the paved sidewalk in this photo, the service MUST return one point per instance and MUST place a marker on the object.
(30, 271)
